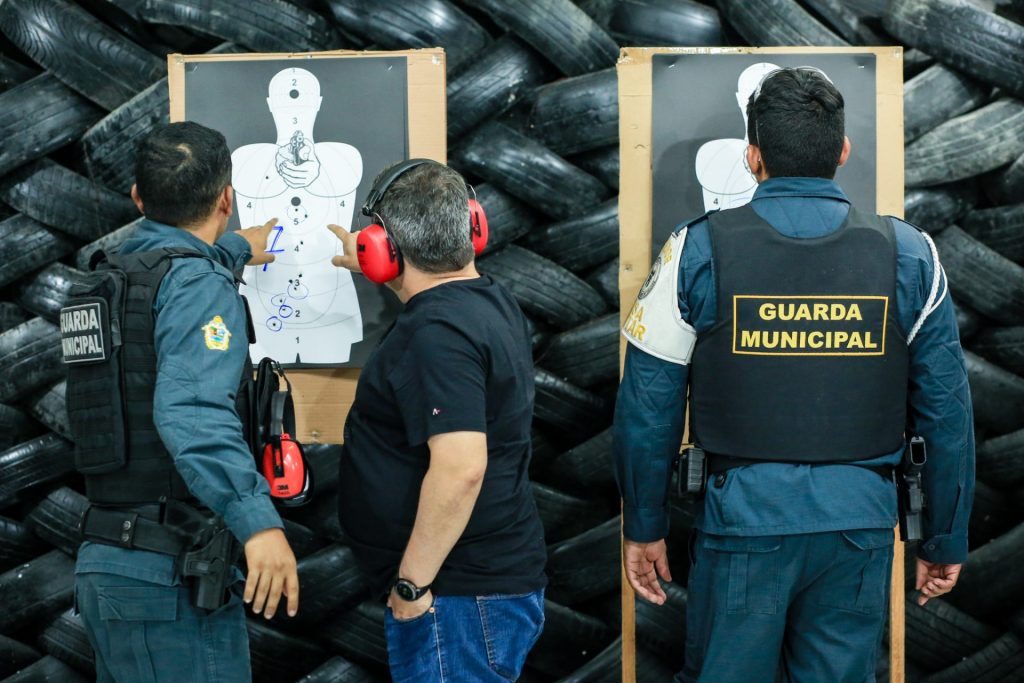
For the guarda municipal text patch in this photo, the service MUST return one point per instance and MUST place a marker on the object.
(85, 332)
(809, 325)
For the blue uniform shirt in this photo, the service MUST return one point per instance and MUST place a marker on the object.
(194, 404)
(776, 498)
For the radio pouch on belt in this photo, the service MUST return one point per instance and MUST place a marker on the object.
(282, 460)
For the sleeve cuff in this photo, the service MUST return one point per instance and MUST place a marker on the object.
(237, 249)
(248, 516)
(644, 525)
(944, 549)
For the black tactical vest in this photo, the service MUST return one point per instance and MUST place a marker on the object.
(807, 361)
(107, 332)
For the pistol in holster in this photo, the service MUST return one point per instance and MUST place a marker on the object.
(208, 566)
(691, 471)
(910, 493)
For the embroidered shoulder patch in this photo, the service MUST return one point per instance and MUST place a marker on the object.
(216, 334)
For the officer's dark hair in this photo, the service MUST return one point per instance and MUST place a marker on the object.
(426, 211)
(797, 120)
(180, 171)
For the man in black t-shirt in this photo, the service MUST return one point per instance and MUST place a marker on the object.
(434, 495)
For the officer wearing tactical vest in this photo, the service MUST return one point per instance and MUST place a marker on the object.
(155, 343)
(816, 340)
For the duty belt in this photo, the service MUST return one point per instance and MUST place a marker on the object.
(139, 528)
(718, 464)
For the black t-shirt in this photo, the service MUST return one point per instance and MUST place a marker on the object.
(457, 359)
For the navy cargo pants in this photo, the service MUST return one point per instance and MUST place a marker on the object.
(146, 632)
(804, 608)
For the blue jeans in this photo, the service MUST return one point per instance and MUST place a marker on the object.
(465, 639)
(145, 632)
(808, 607)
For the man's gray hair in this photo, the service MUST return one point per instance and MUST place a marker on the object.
(426, 211)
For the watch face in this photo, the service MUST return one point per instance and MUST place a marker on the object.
(405, 590)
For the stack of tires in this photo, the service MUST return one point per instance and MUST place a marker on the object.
(533, 123)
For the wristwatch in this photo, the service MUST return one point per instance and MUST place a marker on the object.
(409, 591)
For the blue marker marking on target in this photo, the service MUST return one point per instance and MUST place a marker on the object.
(278, 229)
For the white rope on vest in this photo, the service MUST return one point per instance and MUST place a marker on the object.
(934, 298)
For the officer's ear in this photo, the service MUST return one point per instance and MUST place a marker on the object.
(754, 162)
(137, 199)
(228, 201)
(845, 154)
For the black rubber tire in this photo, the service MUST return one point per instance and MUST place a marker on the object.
(279, 656)
(776, 22)
(358, 634)
(606, 667)
(586, 566)
(985, 280)
(420, 24)
(331, 583)
(27, 246)
(108, 241)
(1003, 346)
(1000, 662)
(11, 315)
(543, 450)
(576, 412)
(30, 358)
(838, 16)
(586, 355)
(586, 469)
(528, 170)
(1001, 228)
(13, 72)
(662, 628)
(30, 464)
(258, 25)
(602, 163)
(1000, 460)
(605, 279)
(16, 426)
(17, 544)
(982, 45)
(915, 61)
(967, 145)
(39, 116)
(85, 210)
(108, 147)
(939, 635)
(302, 540)
(503, 75)
(339, 670)
(936, 94)
(582, 242)
(49, 408)
(577, 114)
(508, 219)
(569, 640)
(1007, 185)
(565, 515)
(56, 518)
(92, 58)
(65, 639)
(936, 208)
(986, 589)
(665, 22)
(543, 288)
(15, 656)
(557, 29)
(994, 512)
(35, 592)
(968, 321)
(997, 396)
(47, 670)
(45, 292)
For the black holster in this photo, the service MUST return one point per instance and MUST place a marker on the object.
(208, 567)
(910, 493)
(691, 471)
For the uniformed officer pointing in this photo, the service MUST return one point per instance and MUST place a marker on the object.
(151, 393)
(815, 340)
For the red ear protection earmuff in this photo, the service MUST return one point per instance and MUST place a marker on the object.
(284, 463)
(378, 254)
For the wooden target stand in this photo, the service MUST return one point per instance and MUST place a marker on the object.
(635, 225)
